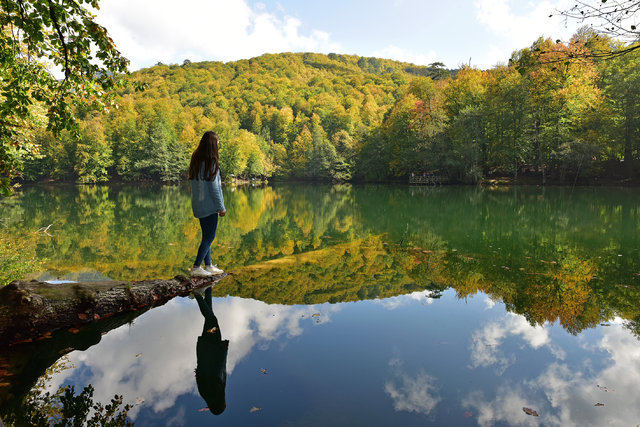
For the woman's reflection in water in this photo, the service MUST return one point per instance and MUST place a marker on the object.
(211, 351)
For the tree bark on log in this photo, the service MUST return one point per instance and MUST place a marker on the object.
(31, 310)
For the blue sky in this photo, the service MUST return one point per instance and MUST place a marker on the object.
(454, 32)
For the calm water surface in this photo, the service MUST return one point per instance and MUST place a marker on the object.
(374, 305)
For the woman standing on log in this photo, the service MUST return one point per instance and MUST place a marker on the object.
(206, 199)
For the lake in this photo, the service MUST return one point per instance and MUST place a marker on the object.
(350, 305)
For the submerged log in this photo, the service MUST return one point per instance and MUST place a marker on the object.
(29, 310)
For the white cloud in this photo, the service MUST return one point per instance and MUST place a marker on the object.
(156, 359)
(566, 394)
(490, 303)
(518, 26)
(391, 303)
(485, 344)
(148, 31)
(413, 393)
(404, 55)
(505, 407)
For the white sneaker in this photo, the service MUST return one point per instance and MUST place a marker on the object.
(200, 272)
(213, 269)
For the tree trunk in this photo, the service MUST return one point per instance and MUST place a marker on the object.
(29, 310)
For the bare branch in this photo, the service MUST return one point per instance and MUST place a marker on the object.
(54, 20)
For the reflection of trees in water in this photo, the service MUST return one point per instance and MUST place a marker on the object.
(30, 366)
(562, 239)
(64, 407)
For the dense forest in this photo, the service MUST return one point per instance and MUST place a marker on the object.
(554, 112)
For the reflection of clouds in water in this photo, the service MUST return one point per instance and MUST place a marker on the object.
(165, 340)
(411, 393)
(489, 302)
(567, 394)
(394, 302)
(485, 345)
(505, 408)
(574, 393)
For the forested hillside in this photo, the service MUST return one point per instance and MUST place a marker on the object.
(552, 112)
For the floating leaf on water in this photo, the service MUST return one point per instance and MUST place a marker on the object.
(606, 389)
(264, 371)
(599, 404)
(468, 414)
(74, 330)
(203, 409)
(255, 409)
(530, 411)
(139, 354)
(315, 315)
(212, 330)
(605, 324)
(82, 316)
(139, 401)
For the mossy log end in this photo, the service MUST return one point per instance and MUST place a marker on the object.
(30, 310)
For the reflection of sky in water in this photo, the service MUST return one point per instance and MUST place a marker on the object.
(408, 360)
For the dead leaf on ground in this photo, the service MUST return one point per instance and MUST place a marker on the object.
(82, 316)
(255, 409)
(212, 330)
(5, 384)
(530, 411)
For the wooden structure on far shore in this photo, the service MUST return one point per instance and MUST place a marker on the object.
(428, 179)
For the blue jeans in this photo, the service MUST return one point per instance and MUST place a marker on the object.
(208, 224)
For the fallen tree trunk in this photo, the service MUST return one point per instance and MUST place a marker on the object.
(32, 310)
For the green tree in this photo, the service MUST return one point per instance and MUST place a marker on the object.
(65, 34)
(622, 85)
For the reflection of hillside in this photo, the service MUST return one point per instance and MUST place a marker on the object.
(551, 255)
(360, 269)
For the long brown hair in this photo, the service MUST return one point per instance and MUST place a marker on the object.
(206, 152)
